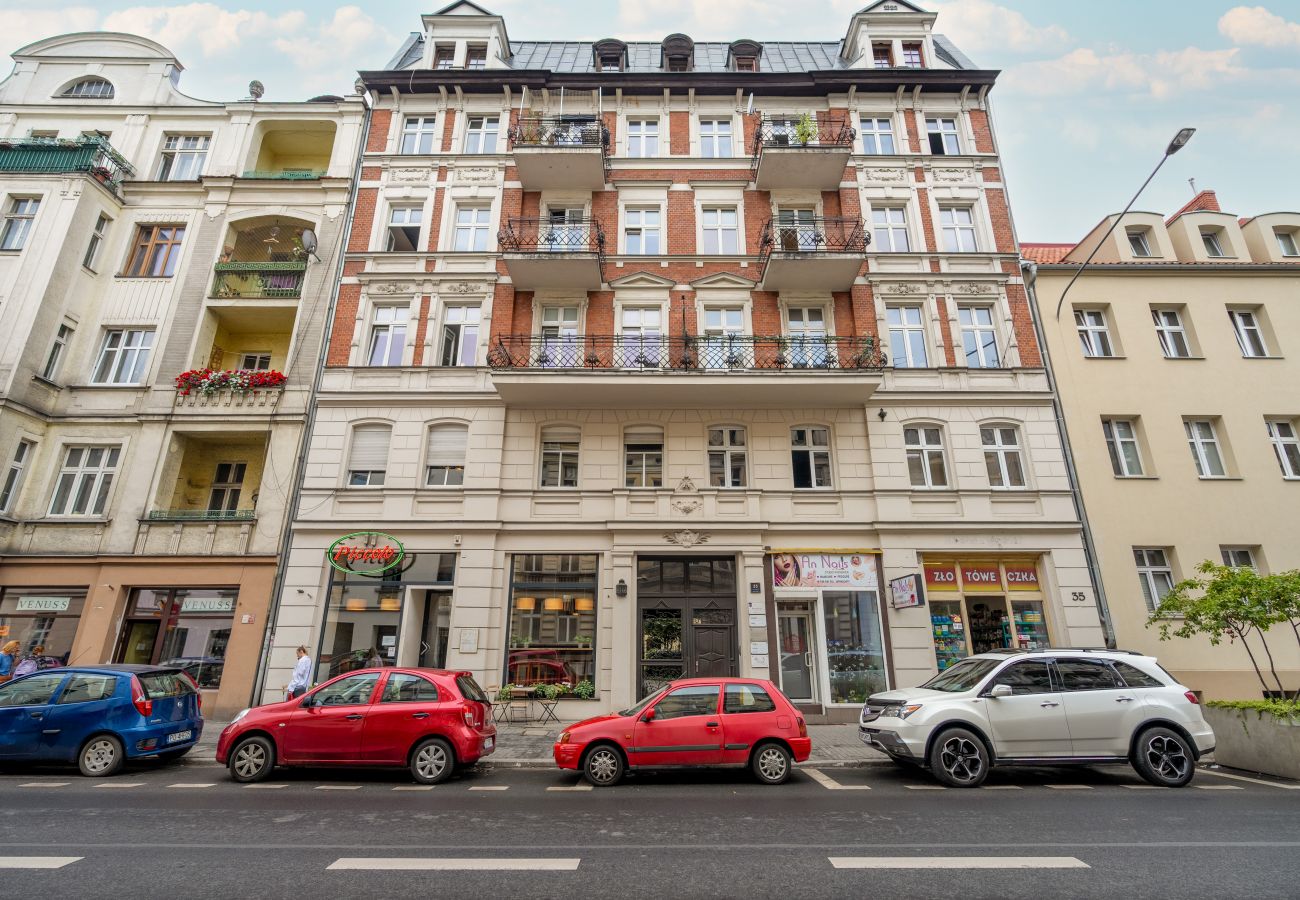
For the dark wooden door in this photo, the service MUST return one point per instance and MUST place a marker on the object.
(714, 651)
(686, 619)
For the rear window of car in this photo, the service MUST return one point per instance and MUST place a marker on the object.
(85, 688)
(403, 688)
(1135, 677)
(747, 698)
(158, 685)
(470, 690)
(1087, 675)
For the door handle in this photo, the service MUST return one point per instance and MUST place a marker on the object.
(354, 717)
(1123, 699)
(710, 724)
(1045, 704)
(38, 715)
(419, 715)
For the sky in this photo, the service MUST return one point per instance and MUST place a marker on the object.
(1090, 92)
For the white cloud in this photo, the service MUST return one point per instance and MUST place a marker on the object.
(210, 28)
(350, 40)
(715, 20)
(1160, 75)
(1256, 25)
(978, 26)
(21, 27)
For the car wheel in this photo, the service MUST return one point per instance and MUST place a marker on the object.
(603, 766)
(1164, 758)
(432, 761)
(959, 758)
(252, 759)
(100, 756)
(771, 763)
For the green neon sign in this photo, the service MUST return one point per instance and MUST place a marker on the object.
(376, 559)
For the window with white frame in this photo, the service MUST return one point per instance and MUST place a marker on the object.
(715, 138)
(907, 335)
(806, 326)
(641, 231)
(473, 229)
(1094, 334)
(85, 479)
(90, 89)
(958, 224)
(52, 362)
(388, 335)
(368, 457)
(1138, 242)
(1155, 575)
(255, 362)
(796, 229)
(943, 136)
(1204, 443)
(460, 327)
(1172, 334)
(643, 458)
(1250, 336)
(404, 228)
(1002, 456)
(720, 226)
(1286, 242)
(890, 226)
(979, 339)
(227, 486)
(724, 346)
(926, 467)
(877, 136)
(727, 449)
(810, 457)
(444, 460)
(418, 134)
(640, 336)
(1210, 240)
(183, 156)
(123, 356)
(1122, 445)
(1238, 557)
(18, 222)
(14, 477)
(642, 137)
(560, 345)
(560, 456)
(1286, 445)
(481, 134)
(97, 235)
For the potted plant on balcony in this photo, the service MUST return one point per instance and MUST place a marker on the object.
(805, 129)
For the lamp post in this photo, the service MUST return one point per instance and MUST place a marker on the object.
(1179, 142)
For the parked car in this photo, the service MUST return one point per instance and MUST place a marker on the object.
(428, 720)
(99, 716)
(692, 722)
(1043, 707)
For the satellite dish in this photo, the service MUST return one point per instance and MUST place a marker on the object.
(309, 241)
(256, 89)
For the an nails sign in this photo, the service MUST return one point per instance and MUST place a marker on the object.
(349, 554)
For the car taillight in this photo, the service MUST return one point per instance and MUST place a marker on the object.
(1192, 698)
(143, 705)
(198, 695)
(803, 727)
(467, 712)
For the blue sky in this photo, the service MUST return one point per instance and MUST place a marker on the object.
(1089, 96)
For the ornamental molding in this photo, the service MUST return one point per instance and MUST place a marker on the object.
(687, 537)
(904, 287)
(409, 175)
(687, 486)
(462, 287)
(974, 287)
(477, 174)
(951, 175)
(392, 287)
(687, 506)
(887, 175)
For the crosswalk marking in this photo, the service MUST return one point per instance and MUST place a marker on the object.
(414, 787)
(1069, 787)
(957, 862)
(450, 864)
(490, 787)
(571, 787)
(37, 862)
(338, 787)
(831, 784)
(46, 784)
(1272, 784)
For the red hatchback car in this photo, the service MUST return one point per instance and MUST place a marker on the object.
(692, 722)
(428, 720)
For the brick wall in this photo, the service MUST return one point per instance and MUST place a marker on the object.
(766, 312)
(979, 126)
(363, 220)
(448, 127)
(913, 138)
(345, 320)
(435, 217)
(679, 138)
(680, 227)
(1000, 218)
(945, 333)
(1021, 321)
(421, 329)
(381, 120)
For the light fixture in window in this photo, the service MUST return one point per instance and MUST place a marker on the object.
(390, 604)
(355, 604)
(528, 603)
(553, 604)
(584, 604)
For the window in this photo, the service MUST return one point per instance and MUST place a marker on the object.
(810, 457)
(746, 64)
(1154, 575)
(1286, 242)
(890, 225)
(912, 58)
(14, 477)
(877, 136)
(882, 55)
(445, 459)
(472, 226)
(552, 613)
(1204, 444)
(560, 346)
(38, 690)
(720, 348)
(18, 222)
(715, 138)
(958, 229)
(1250, 337)
(42, 617)
(183, 156)
(460, 326)
(978, 339)
(560, 456)
(404, 228)
(642, 137)
(1087, 675)
(720, 226)
(679, 64)
(746, 698)
(694, 700)
(1137, 242)
(641, 231)
(418, 135)
(354, 690)
(727, 457)
(369, 456)
(611, 63)
(1286, 444)
(90, 89)
(1094, 335)
(156, 252)
(906, 336)
(1025, 678)
(481, 134)
(641, 336)
(476, 56)
(807, 329)
(84, 481)
(85, 688)
(1238, 557)
(1122, 445)
(123, 357)
(227, 485)
(444, 56)
(1002, 456)
(943, 136)
(96, 242)
(402, 688)
(51, 368)
(643, 458)
(925, 463)
(1210, 238)
(1172, 335)
(388, 335)
(255, 362)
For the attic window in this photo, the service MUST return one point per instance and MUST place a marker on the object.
(678, 51)
(611, 63)
(679, 64)
(912, 56)
(746, 64)
(882, 55)
(90, 89)
(444, 56)
(476, 56)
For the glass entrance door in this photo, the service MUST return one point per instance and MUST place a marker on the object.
(437, 628)
(798, 665)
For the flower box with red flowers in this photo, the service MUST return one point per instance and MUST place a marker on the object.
(237, 381)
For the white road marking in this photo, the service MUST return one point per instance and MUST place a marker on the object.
(447, 864)
(265, 787)
(37, 862)
(338, 787)
(571, 787)
(490, 787)
(1001, 787)
(121, 784)
(1142, 787)
(1272, 784)
(205, 784)
(957, 862)
(1069, 787)
(414, 787)
(925, 787)
(46, 784)
(831, 784)
(1218, 787)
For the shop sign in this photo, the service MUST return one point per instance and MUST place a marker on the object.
(42, 604)
(1022, 577)
(906, 591)
(940, 577)
(981, 576)
(350, 555)
(816, 570)
(207, 604)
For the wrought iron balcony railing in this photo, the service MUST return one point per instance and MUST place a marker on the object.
(204, 515)
(50, 156)
(258, 280)
(284, 174)
(560, 132)
(813, 130)
(676, 353)
(815, 234)
(545, 235)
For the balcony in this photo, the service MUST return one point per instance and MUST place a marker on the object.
(815, 253)
(546, 254)
(716, 371)
(202, 515)
(560, 153)
(291, 150)
(210, 478)
(284, 174)
(809, 152)
(258, 281)
(48, 156)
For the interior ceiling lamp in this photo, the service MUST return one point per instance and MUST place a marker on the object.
(553, 604)
(584, 604)
(355, 604)
(525, 603)
(390, 604)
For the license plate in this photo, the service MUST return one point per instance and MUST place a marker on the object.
(487, 743)
(178, 737)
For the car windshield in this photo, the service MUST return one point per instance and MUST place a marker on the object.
(963, 676)
(640, 707)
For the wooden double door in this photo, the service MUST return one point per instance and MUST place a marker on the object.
(686, 619)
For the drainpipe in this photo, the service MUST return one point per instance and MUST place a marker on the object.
(1030, 270)
(309, 422)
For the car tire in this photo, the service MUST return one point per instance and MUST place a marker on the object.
(603, 766)
(172, 755)
(959, 758)
(1164, 758)
(101, 756)
(432, 761)
(771, 763)
(252, 760)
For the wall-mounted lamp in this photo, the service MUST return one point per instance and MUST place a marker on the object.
(620, 589)
(881, 414)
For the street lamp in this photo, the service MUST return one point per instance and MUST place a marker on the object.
(1179, 142)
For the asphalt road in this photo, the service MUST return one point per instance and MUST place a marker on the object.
(187, 831)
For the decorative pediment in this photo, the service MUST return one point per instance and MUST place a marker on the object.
(724, 280)
(642, 280)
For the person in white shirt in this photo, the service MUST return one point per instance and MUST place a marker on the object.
(301, 680)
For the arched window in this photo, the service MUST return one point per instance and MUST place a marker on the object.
(444, 463)
(369, 456)
(89, 89)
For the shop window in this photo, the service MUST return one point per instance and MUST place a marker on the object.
(44, 622)
(553, 621)
(643, 458)
(445, 460)
(855, 655)
(560, 456)
(184, 628)
(810, 457)
(369, 457)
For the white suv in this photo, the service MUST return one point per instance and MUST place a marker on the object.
(1044, 707)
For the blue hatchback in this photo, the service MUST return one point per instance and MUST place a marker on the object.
(99, 716)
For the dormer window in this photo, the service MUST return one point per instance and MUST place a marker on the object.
(476, 56)
(679, 64)
(743, 55)
(444, 56)
(1210, 238)
(746, 64)
(611, 64)
(90, 89)
(610, 54)
(1138, 243)
(912, 56)
(678, 52)
(882, 55)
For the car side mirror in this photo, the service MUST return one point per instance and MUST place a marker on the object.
(308, 702)
(648, 715)
(1000, 690)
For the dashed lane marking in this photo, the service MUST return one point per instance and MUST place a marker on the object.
(831, 784)
(265, 787)
(120, 784)
(338, 787)
(414, 787)
(451, 864)
(1001, 787)
(37, 862)
(1069, 787)
(46, 784)
(1142, 787)
(490, 787)
(571, 787)
(196, 784)
(1218, 787)
(957, 862)
(925, 787)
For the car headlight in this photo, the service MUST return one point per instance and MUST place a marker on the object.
(239, 715)
(900, 710)
(564, 736)
(907, 710)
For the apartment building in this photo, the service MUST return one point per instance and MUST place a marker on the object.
(1176, 361)
(669, 358)
(166, 269)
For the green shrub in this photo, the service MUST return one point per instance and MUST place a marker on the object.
(1282, 709)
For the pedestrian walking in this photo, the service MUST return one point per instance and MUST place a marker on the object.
(374, 660)
(8, 655)
(301, 680)
(29, 663)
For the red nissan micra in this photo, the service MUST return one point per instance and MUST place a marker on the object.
(428, 720)
(692, 722)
